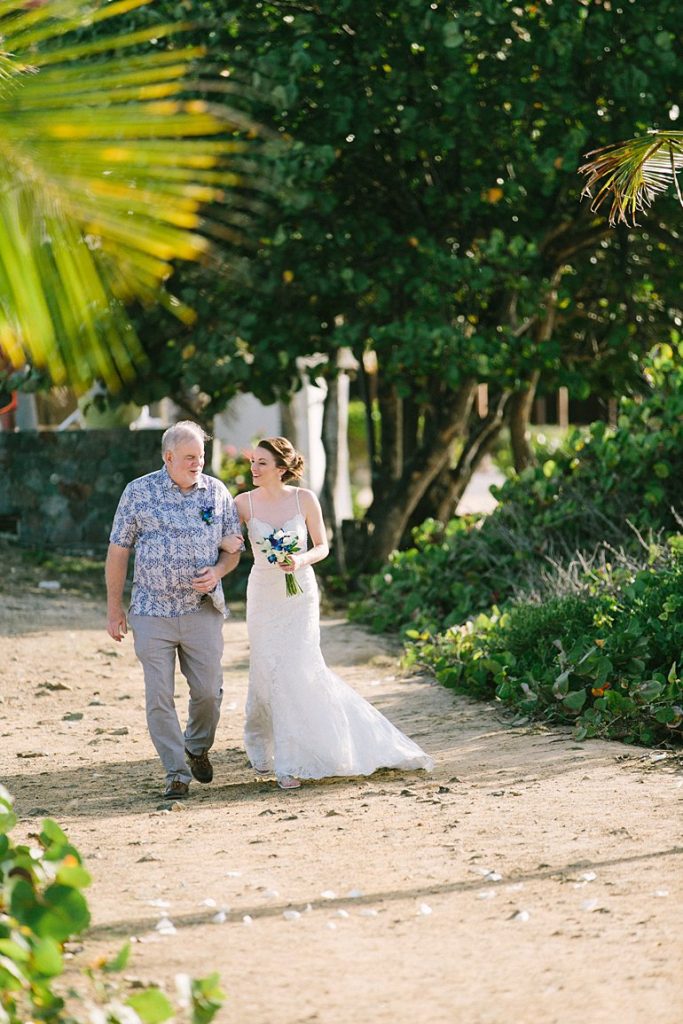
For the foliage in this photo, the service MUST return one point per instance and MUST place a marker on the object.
(235, 469)
(633, 173)
(42, 906)
(544, 440)
(108, 163)
(75, 573)
(607, 660)
(393, 225)
(428, 211)
(593, 492)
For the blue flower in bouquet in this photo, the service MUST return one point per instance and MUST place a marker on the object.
(278, 549)
(207, 514)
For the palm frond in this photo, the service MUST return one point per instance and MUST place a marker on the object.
(106, 169)
(633, 173)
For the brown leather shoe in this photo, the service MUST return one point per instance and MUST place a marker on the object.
(177, 790)
(200, 766)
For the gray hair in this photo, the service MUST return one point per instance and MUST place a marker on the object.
(185, 430)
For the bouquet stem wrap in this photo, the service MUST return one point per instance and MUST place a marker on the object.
(293, 587)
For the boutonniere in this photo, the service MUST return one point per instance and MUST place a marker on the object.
(207, 515)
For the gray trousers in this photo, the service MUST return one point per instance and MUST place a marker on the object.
(198, 640)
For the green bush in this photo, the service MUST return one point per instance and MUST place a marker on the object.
(42, 906)
(600, 488)
(606, 660)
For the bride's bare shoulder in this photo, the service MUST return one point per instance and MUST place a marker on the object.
(242, 502)
(308, 499)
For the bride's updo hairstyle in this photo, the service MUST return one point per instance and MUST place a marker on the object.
(286, 456)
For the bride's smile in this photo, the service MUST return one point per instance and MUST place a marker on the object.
(264, 471)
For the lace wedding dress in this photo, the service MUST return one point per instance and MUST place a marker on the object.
(302, 720)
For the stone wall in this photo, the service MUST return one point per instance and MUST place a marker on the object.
(59, 490)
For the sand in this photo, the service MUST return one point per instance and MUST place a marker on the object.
(528, 879)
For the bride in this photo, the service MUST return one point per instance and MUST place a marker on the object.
(302, 720)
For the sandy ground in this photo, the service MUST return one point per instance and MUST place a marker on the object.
(528, 880)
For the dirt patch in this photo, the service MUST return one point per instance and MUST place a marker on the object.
(527, 879)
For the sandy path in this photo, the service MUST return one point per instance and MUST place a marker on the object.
(583, 923)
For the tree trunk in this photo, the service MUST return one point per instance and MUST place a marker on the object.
(441, 498)
(411, 429)
(335, 496)
(480, 442)
(366, 382)
(519, 413)
(391, 419)
(388, 517)
(522, 400)
(330, 430)
(288, 421)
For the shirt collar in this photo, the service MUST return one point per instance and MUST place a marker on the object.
(201, 485)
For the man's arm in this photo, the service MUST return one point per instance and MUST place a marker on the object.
(115, 572)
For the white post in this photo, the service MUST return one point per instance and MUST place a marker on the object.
(26, 417)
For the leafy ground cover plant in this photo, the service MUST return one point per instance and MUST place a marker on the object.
(42, 907)
(607, 660)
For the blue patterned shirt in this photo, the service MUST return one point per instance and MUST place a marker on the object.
(174, 535)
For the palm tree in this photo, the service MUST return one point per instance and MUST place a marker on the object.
(633, 173)
(106, 166)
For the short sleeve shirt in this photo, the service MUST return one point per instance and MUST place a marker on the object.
(174, 534)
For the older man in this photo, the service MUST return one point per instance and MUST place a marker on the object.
(175, 519)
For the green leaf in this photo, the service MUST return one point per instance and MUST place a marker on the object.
(492, 666)
(561, 684)
(62, 912)
(151, 1006)
(8, 820)
(47, 958)
(666, 715)
(664, 40)
(12, 949)
(575, 700)
(452, 35)
(51, 833)
(207, 998)
(76, 877)
(14, 977)
(649, 690)
(119, 962)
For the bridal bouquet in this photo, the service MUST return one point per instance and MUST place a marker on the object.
(279, 547)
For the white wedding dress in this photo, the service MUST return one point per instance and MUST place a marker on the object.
(302, 720)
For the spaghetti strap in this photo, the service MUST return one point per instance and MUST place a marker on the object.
(298, 506)
(251, 507)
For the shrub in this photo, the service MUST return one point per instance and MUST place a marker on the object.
(597, 492)
(42, 906)
(606, 660)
